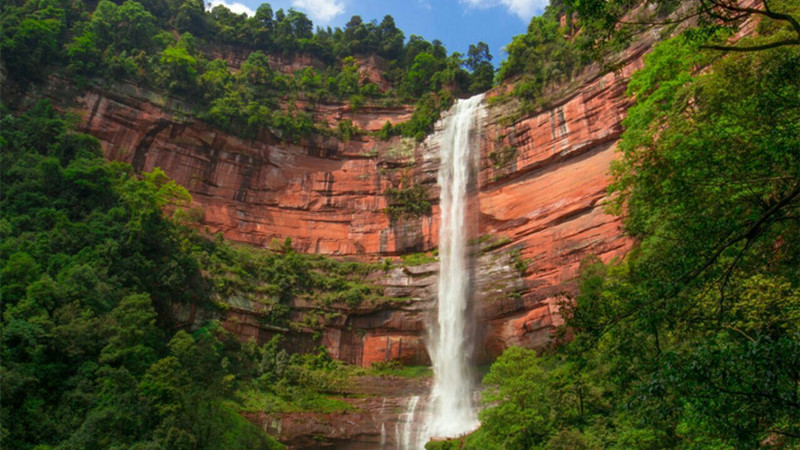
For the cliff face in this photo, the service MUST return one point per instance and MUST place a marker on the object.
(324, 194)
(543, 183)
(539, 195)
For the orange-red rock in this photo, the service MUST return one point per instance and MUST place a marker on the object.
(327, 196)
(324, 194)
(548, 199)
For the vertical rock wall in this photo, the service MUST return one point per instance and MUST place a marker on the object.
(541, 190)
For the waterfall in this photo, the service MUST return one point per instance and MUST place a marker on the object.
(451, 408)
(405, 434)
(383, 423)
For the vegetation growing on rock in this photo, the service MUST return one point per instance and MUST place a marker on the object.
(172, 46)
(92, 271)
(407, 202)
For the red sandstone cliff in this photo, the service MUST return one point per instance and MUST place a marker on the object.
(540, 203)
(324, 194)
(546, 199)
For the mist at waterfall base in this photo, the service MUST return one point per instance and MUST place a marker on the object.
(450, 411)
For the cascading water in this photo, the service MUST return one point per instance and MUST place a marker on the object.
(450, 411)
(405, 435)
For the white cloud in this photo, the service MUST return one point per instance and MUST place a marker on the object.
(236, 7)
(525, 9)
(321, 11)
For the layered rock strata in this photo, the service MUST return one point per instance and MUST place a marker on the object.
(375, 420)
(540, 192)
(324, 194)
(543, 183)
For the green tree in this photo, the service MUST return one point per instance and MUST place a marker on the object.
(479, 61)
(263, 27)
(391, 38)
(84, 55)
(518, 384)
(356, 35)
(178, 67)
(230, 27)
(133, 336)
(542, 56)
(346, 82)
(257, 72)
(102, 23)
(418, 80)
(216, 80)
(134, 27)
(190, 18)
(31, 40)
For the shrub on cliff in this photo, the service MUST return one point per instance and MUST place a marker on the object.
(407, 202)
(428, 109)
(135, 41)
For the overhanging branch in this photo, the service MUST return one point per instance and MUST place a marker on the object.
(753, 48)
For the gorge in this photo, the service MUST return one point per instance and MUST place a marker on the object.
(225, 231)
(535, 220)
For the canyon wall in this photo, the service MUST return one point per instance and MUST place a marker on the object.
(324, 194)
(543, 183)
(540, 192)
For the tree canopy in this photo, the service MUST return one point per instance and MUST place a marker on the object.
(136, 42)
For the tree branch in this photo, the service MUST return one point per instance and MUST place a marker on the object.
(752, 232)
(741, 332)
(767, 11)
(763, 395)
(727, 278)
(754, 48)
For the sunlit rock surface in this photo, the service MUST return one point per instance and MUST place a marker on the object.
(541, 186)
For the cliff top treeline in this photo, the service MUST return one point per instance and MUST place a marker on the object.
(171, 46)
(232, 70)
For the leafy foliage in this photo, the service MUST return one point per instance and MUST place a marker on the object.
(92, 270)
(616, 21)
(547, 54)
(136, 42)
(407, 202)
(429, 107)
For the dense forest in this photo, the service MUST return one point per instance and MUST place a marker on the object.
(691, 341)
(95, 258)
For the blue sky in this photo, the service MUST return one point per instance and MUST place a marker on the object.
(457, 23)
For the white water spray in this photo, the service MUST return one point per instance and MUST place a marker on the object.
(405, 434)
(452, 412)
